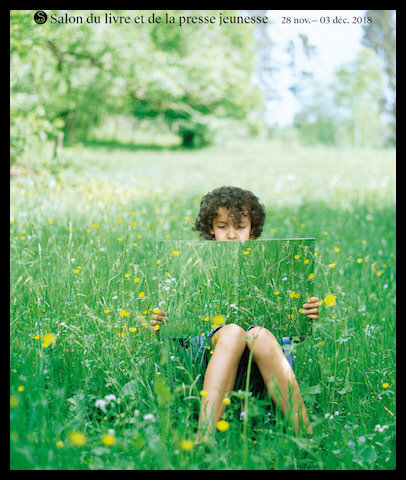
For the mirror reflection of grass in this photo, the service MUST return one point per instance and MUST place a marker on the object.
(262, 282)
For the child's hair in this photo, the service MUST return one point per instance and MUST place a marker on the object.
(238, 201)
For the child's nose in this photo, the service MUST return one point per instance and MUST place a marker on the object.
(231, 234)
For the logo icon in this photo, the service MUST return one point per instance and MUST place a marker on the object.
(40, 17)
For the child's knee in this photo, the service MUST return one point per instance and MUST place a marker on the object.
(260, 335)
(231, 336)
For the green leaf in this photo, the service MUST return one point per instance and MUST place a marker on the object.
(161, 390)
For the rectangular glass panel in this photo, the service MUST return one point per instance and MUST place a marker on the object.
(200, 284)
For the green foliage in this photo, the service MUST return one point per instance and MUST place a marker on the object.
(380, 35)
(70, 78)
(348, 111)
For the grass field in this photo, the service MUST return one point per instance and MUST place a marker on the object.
(92, 388)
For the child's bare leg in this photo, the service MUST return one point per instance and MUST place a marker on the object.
(220, 374)
(274, 367)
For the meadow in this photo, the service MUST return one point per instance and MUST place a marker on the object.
(91, 387)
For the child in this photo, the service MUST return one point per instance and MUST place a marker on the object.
(229, 214)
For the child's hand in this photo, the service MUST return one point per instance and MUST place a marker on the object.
(311, 308)
(157, 318)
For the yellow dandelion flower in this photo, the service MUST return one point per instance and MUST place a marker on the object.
(276, 292)
(330, 300)
(136, 279)
(359, 260)
(307, 261)
(48, 339)
(36, 337)
(106, 311)
(120, 239)
(122, 313)
(385, 385)
(135, 244)
(175, 253)
(127, 275)
(297, 257)
(222, 425)
(119, 221)
(95, 225)
(206, 319)
(203, 393)
(108, 439)
(59, 444)
(325, 232)
(187, 445)
(157, 327)
(226, 401)
(363, 242)
(311, 276)
(141, 294)
(217, 321)
(132, 329)
(78, 439)
(158, 262)
(336, 249)
(121, 334)
(293, 294)
(332, 265)
(133, 224)
(76, 270)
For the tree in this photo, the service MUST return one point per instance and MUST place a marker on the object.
(357, 90)
(380, 35)
(74, 76)
(347, 111)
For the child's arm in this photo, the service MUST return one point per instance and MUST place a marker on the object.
(311, 308)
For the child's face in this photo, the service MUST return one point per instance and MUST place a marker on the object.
(224, 227)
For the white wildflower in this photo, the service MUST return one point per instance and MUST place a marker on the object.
(100, 403)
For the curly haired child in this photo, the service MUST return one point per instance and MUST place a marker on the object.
(234, 214)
